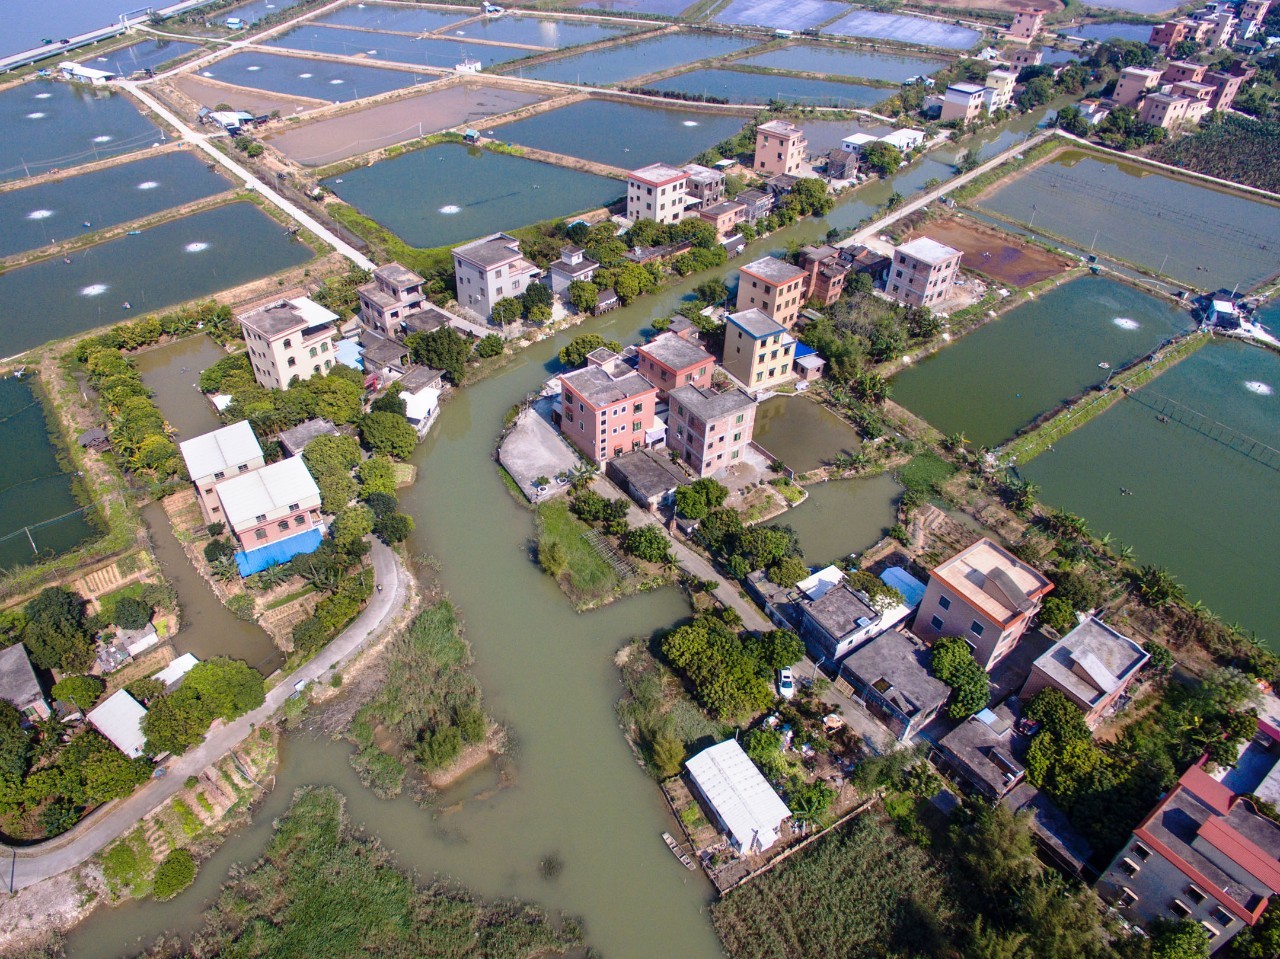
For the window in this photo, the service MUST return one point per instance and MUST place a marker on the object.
(737, 437)
(739, 419)
(1141, 851)
(260, 518)
(1209, 928)
(299, 521)
(244, 467)
(1195, 895)
(283, 526)
(638, 408)
(287, 343)
(944, 602)
(1221, 917)
(976, 628)
(324, 347)
(292, 362)
(1127, 897)
(936, 622)
(1179, 908)
(1129, 867)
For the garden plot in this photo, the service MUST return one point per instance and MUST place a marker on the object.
(781, 14)
(904, 29)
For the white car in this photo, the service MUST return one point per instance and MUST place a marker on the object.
(786, 683)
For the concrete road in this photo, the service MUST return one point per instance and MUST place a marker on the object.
(201, 142)
(116, 818)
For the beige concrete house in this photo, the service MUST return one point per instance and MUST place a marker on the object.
(289, 340)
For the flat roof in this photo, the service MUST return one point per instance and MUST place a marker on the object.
(992, 580)
(781, 128)
(648, 473)
(898, 670)
(772, 270)
(657, 174)
(742, 798)
(723, 207)
(1091, 661)
(264, 491)
(708, 405)
(177, 669)
(969, 89)
(490, 251)
(284, 316)
(220, 451)
(927, 250)
(295, 439)
(398, 275)
(597, 387)
(675, 352)
(986, 752)
(119, 718)
(756, 323)
(840, 611)
(816, 585)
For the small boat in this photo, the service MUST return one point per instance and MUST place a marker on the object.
(677, 851)
(86, 224)
(134, 233)
(126, 305)
(66, 259)
(1104, 365)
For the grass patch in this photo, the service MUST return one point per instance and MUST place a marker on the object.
(926, 474)
(286, 600)
(322, 890)
(586, 577)
(427, 262)
(127, 866)
(107, 603)
(187, 819)
(790, 491)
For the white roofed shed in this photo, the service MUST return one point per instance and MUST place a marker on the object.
(272, 492)
(119, 718)
(741, 799)
(221, 451)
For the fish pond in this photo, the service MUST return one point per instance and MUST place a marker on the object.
(307, 77)
(171, 263)
(146, 55)
(740, 87)
(59, 210)
(781, 14)
(846, 62)
(637, 134)
(400, 17)
(440, 54)
(1001, 377)
(1148, 7)
(904, 29)
(660, 8)
(450, 193)
(256, 10)
(843, 517)
(539, 31)
(802, 433)
(1139, 32)
(1204, 237)
(625, 60)
(1193, 505)
(39, 514)
(50, 125)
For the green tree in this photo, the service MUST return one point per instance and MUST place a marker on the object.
(331, 454)
(780, 647)
(489, 346)
(647, 543)
(377, 475)
(131, 613)
(439, 748)
(443, 349)
(1057, 614)
(1157, 586)
(535, 295)
(882, 158)
(953, 663)
(83, 691)
(393, 528)
(700, 497)
(352, 524)
(175, 873)
(388, 434)
(809, 197)
(1178, 939)
(787, 571)
(55, 633)
(575, 353)
(226, 688)
(507, 311)
(582, 294)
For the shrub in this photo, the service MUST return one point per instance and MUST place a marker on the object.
(242, 605)
(387, 433)
(954, 664)
(216, 529)
(489, 346)
(131, 613)
(175, 873)
(217, 549)
(83, 691)
(647, 543)
(1057, 614)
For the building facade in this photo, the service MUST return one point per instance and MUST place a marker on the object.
(573, 266)
(757, 351)
(489, 270)
(271, 504)
(963, 102)
(825, 271)
(923, 272)
(658, 192)
(1133, 84)
(393, 293)
(707, 430)
(288, 341)
(706, 186)
(780, 148)
(1092, 666)
(669, 361)
(774, 287)
(225, 453)
(1026, 24)
(607, 409)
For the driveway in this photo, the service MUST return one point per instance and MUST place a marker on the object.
(116, 818)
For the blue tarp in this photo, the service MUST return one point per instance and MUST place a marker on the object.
(281, 551)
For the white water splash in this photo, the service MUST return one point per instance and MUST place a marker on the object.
(39, 214)
(306, 76)
(449, 210)
(206, 73)
(1259, 387)
(196, 247)
(36, 116)
(94, 289)
(43, 96)
(105, 138)
(1125, 323)
(689, 123)
(335, 81)
(148, 185)
(253, 69)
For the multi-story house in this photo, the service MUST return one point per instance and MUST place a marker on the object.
(489, 270)
(607, 409)
(1133, 85)
(1026, 24)
(1166, 110)
(758, 352)
(1183, 71)
(1092, 666)
(923, 272)
(289, 340)
(708, 430)
(998, 92)
(825, 273)
(394, 292)
(19, 686)
(780, 148)
(670, 361)
(271, 504)
(573, 265)
(225, 453)
(773, 286)
(986, 596)
(963, 102)
(706, 186)
(759, 203)
(724, 216)
(658, 192)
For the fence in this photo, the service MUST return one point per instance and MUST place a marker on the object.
(1172, 411)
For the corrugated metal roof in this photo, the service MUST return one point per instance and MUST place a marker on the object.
(267, 490)
(745, 802)
(120, 720)
(220, 451)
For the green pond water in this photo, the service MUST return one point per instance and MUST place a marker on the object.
(803, 434)
(1001, 377)
(843, 517)
(35, 491)
(171, 263)
(1203, 237)
(1196, 507)
(450, 193)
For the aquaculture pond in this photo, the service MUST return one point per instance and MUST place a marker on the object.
(1180, 498)
(1147, 7)
(256, 10)
(625, 60)
(1109, 31)
(307, 77)
(780, 14)
(440, 54)
(402, 17)
(661, 8)
(451, 193)
(637, 134)
(145, 55)
(843, 517)
(60, 210)
(1155, 221)
(59, 125)
(842, 61)
(171, 263)
(1001, 377)
(39, 514)
(802, 433)
(539, 31)
(762, 88)
(904, 29)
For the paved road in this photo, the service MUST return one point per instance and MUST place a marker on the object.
(117, 818)
(201, 142)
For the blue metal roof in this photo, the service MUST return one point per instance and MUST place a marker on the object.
(803, 350)
(281, 551)
(912, 589)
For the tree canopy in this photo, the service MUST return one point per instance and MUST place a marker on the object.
(954, 664)
(575, 353)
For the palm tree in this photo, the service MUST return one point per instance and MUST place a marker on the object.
(224, 569)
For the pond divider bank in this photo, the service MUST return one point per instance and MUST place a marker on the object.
(1080, 411)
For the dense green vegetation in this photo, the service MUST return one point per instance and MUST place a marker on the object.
(217, 688)
(336, 396)
(746, 548)
(429, 704)
(728, 672)
(138, 431)
(565, 554)
(323, 891)
(953, 663)
(1232, 148)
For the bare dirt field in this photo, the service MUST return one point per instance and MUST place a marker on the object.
(998, 255)
(210, 93)
(350, 134)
